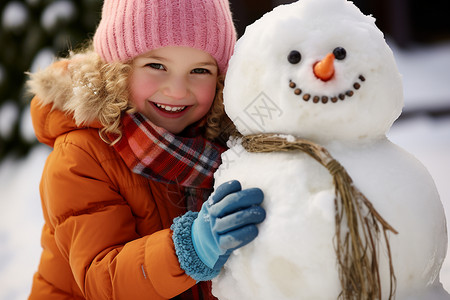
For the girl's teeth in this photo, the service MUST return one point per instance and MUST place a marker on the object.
(171, 108)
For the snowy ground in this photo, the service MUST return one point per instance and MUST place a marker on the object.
(426, 80)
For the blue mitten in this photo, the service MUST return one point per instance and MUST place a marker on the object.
(227, 221)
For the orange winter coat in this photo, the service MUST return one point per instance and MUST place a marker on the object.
(106, 232)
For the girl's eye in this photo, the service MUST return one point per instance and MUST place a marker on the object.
(155, 66)
(200, 71)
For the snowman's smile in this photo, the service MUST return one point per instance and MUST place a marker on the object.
(326, 98)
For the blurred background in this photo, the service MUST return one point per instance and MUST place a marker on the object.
(33, 32)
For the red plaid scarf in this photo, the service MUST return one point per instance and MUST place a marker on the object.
(155, 153)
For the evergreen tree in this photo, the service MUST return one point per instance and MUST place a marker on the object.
(32, 33)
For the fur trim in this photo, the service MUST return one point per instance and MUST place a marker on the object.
(52, 85)
(85, 87)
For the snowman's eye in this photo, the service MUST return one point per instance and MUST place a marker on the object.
(294, 57)
(339, 53)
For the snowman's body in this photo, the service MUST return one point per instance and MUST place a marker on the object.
(347, 104)
(293, 256)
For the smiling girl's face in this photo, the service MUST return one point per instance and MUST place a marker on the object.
(173, 86)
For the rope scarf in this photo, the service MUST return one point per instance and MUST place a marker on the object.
(153, 152)
(358, 224)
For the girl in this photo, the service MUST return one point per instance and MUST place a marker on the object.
(135, 123)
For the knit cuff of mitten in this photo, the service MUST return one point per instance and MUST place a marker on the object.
(184, 248)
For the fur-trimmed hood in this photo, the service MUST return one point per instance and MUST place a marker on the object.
(86, 91)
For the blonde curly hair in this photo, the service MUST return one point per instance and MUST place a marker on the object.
(107, 83)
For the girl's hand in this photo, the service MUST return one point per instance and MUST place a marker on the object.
(227, 221)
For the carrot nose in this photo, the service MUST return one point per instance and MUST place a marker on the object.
(324, 69)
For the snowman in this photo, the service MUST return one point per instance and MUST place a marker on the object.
(318, 75)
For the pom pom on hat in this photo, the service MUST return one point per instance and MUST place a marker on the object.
(129, 28)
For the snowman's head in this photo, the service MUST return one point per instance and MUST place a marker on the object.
(317, 69)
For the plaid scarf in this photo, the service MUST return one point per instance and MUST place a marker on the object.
(155, 153)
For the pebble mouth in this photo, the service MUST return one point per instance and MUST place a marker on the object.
(326, 99)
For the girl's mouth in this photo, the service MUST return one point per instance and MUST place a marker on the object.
(170, 111)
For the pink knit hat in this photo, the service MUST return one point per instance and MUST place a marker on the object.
(129, 28)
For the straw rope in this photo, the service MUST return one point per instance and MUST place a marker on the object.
(357, 236)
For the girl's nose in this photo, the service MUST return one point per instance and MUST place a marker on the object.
(324, 69)
(176, 88)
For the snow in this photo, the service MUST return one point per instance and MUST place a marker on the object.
(421, 136)
(428, 77)
(9, 112)
(26, 126)
(20, 223)
(56, 12)
(15, 16)
(428, 140)
(42, 59)
(425, 74)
